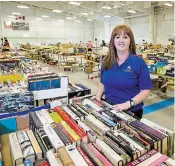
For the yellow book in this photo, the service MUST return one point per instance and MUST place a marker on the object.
(71, 131)
(56, 118)
(6, 156)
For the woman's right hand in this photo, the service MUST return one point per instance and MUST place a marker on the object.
(98, 98)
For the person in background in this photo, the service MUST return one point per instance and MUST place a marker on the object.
(172, 43)
(103, 44)
(125, 79)
(2, 42)
(89, 46)
(6, 43)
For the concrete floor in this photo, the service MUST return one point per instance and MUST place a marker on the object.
(163, 117)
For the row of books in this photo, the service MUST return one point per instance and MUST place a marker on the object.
(88, 132)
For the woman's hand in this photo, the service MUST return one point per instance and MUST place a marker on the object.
(98, 98)
(122, 106)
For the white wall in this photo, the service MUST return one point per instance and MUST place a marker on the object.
(140, 28)
(49, 30)
(165, 25)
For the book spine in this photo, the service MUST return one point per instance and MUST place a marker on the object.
(47, 116)
(93, 105)
(41, 117)
(74, 154)
(159, 161)
(51, 158)
(86, 158)
(83, 126)
(82, 111)
(142, 158)
(76, 112)
(25, 144)
(64, 156)
(56, 118)
(90, 154)
(35, 145)
(99, 155)
(71, 123)
(16, 152)
(55, 140)
(70, 113)
(28, 163)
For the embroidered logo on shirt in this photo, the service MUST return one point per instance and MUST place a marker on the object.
(128, 69)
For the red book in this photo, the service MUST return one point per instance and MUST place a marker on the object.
(86, 158)
(71, 123)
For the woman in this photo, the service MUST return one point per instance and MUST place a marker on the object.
(125, 79)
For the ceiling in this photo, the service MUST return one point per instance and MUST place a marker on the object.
(93, 9)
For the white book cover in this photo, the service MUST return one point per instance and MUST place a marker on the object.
(15, 149)
(47, 116)
(51, 158)
(53, 137)
(70, 113)
(75, 156)
(92, 104)
(83, 126)
(112, 156)
(41, 117)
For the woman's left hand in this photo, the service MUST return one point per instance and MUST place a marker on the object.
(122, 106)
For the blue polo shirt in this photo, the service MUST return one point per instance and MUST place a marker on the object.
(122, 83)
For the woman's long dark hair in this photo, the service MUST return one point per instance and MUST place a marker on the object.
(111, 57)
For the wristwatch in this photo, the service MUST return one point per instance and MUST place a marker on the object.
(132, 103)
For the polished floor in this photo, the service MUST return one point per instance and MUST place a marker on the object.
(163, 117)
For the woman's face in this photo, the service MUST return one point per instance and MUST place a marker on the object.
(122, 42)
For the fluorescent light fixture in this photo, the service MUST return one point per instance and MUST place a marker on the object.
(16, 13)
(61, 20)
(106, 7)
(26, 35)
(39, 19)
(57, 11)
(74, 3)
(70, 18)
(122, 4)
(116, 6)
(44, 16)
(12, 16)
(107, 16)
(120, 9)
(91, 13)
(89, 19)
(168, 4)
(131, 11)
(23, 7)
(86, 14)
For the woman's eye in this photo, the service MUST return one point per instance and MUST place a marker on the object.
(126, 37)
(117, 37)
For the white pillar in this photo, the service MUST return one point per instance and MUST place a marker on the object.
(152, 28)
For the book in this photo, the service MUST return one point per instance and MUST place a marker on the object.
(62, 136)
(35, 145)
(170, 133)
(41, 117)
(53, 137)
(93, 105)
(52, 159)
(16, 153)
(91, 155)
(70, 113)
(99, 155)
(112, 156)
(142, 158)
(72, 124)
(78, 108)
(42, 162)
(154, 133)
(56, 118)
(5, 149)
(65, 158)
(47, 116)
(74, 154)
(81, 117)
(28, 163)
(86, 158)
(26, 146)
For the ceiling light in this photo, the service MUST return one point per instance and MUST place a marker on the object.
(89, 19)
(70, 18)
(122, 4)
(12, 16)
(16, 13)
(116, 6)
(74, 3)
(23, 7)
(91, 13)
(131, 11)
(168, 4)
(26, 35)
(44, 16)
(39, 19)
(120, 10)
(60, 20)
(77, 20)
(86, 14)
(106, 7)
(57, 11)
(107, 16)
